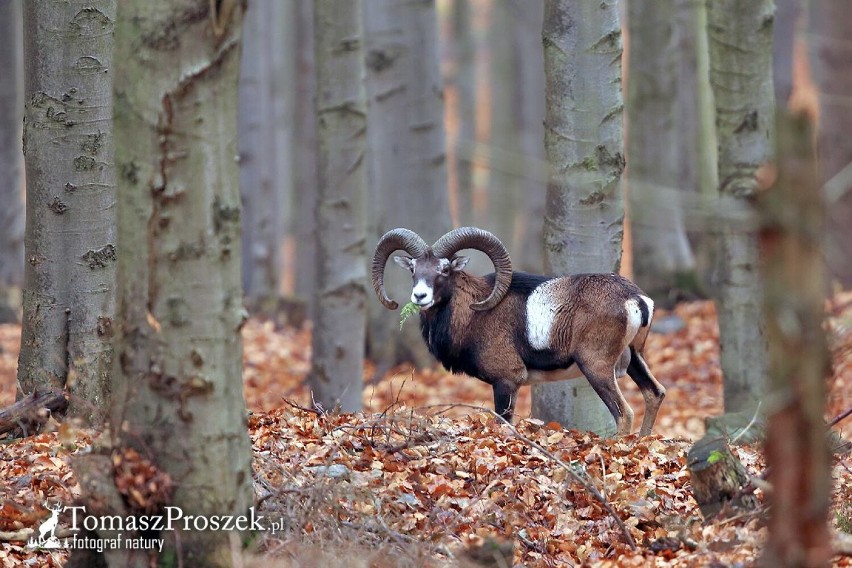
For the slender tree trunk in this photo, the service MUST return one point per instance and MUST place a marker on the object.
(695, 116)
(407, 157)
(662, 257)
(583, 228)
(831, 56)
(741, 74)
(463, 78)
(341, 109)
(70, 241)
(505, 162)
(263, 164)
(305, 159)
(784, 38)
(529, 101)
(11, 160)
(793, 218)
(178, 373)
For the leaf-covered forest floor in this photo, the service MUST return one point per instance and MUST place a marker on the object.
(422, 476)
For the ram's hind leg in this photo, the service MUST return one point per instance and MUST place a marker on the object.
(652, 391)
(601, 375)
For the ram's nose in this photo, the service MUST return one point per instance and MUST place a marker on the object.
(418, 297)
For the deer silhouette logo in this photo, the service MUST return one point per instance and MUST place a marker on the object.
(47, 530)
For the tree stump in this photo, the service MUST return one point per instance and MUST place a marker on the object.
(717, 477)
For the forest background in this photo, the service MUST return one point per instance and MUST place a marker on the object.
(681, 160)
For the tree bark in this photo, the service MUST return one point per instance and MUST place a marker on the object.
(741, 74)
(265, 141)
(11, 160)
(178, 388)
(662, 256)
(341, 110)
(406, 165)
(831, 57)
(717, 477)
(584, 225)
(68, 297)
(791, 236)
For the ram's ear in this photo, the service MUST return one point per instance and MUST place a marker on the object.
(459, 262)
(406, 262)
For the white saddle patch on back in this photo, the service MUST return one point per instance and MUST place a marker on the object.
(541, 311)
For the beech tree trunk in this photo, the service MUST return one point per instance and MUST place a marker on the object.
(341, 289)
(792, 231)
(741, 74)
(178, 387)
(11, 160)
(406, 165)
(68, 298)
(662, 256)
(831, 57)
(265, 128)
(584, 224)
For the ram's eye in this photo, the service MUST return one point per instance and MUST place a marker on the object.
(444, 270)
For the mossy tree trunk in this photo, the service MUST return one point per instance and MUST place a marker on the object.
(584, 224)
(11, 160)
(740, 36)
(662, 256)
(406, 165)
(178, 387)
(68, 298)
(341, 291)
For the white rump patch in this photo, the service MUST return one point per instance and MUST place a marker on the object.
(541, 311)
(634, 318)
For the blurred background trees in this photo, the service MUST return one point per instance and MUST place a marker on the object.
(459, 116)
(11, 160)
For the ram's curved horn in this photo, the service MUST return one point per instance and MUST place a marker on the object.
(473, 238)
(393, 240)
